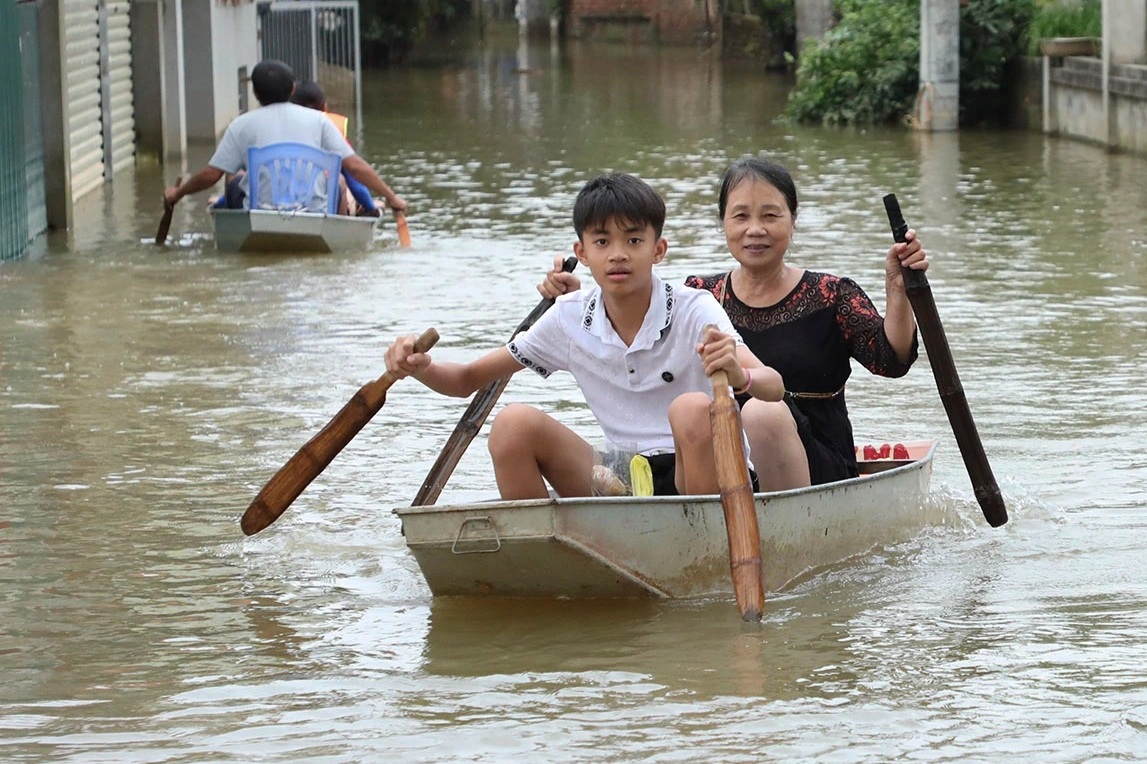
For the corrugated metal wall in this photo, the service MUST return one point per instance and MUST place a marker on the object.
(81, 73)
(117, 106)
(97, 62)
(14, 235)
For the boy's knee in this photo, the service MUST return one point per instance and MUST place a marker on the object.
(511, 426)
(689, 413)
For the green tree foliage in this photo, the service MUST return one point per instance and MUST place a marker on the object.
(866, 70)
(391, 27)
(991, 36)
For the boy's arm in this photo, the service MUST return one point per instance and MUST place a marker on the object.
(764, 382)
(366, 175)
(454, 379)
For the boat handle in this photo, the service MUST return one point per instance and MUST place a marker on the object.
(483, 523)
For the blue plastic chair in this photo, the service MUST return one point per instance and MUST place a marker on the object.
(293, 177)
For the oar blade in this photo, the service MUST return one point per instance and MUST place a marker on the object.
(165, 221)
(318, 452)
(737, 501)
(403, 229)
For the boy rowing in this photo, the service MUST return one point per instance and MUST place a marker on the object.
(640, 349)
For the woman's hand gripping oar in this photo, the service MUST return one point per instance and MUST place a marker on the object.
(317, 453)
(947, 380)
(737, 499)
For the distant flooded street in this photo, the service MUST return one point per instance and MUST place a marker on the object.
(147, 393)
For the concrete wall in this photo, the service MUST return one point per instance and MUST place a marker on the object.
(1103, 99)
(813, 19)
(218, 39)
(636, 21)
(1075, 104)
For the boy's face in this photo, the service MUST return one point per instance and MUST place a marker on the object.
(621, 254)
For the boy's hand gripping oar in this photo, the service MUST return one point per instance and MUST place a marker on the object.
(475, 415)
(947, 380)
(317, 453)
(737, 499)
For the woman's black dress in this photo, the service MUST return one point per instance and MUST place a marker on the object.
(809, 337)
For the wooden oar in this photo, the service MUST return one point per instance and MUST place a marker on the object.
(317, 453)
(475, 415)
(737, 500)
(948, 381)
(165, 221)
(403, 229)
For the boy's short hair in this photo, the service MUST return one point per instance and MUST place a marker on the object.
(310, 94)
(618, 197)
(272, 82)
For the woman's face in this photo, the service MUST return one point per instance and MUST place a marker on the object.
(758, 224)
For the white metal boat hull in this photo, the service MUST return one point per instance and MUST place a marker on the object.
(661, 546)
(272, 231)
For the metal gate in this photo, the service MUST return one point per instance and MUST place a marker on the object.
(319, 40)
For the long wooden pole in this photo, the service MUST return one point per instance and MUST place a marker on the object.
(919, 292)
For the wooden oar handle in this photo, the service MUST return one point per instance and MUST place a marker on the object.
(913, 279)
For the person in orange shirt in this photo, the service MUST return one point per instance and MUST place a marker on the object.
(311, 95)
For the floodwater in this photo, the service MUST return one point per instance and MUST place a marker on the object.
(146, 394)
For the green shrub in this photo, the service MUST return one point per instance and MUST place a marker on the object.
(991, 35)
(866, 70)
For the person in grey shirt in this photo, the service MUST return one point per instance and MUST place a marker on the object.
(277, 121)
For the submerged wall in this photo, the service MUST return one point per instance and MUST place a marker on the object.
(636, 21)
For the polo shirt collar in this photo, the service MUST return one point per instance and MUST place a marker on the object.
(657, 318)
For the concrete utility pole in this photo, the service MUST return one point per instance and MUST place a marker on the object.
(938, 98)
(813, 19)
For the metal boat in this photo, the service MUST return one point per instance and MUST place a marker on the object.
(665, 546)
(290, 231)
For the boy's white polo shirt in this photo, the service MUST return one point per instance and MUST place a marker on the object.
(628, 389)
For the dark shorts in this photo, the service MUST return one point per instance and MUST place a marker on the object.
(664, 469)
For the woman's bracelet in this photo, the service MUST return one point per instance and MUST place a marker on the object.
(748, 382)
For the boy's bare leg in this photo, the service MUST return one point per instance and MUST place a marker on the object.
(529, 448)
(346, 201)
(693, 441)
(775, 447)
